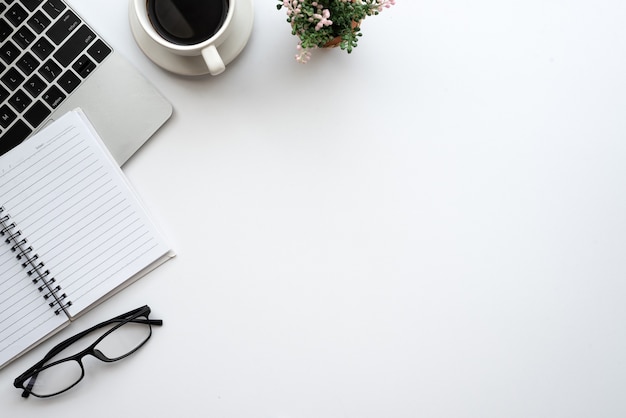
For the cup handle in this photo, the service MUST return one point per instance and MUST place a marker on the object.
(213, 60)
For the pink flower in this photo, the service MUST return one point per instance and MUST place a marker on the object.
(304, 55)
(385, 4)
(323, 19)
(292, 6)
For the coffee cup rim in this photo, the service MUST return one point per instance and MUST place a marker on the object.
(141, 11)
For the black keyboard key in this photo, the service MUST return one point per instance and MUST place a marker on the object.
(54, 7)
(54, 96)
(7, 116)
(16, 14)
(69, 81)
(37, 113)
(5, 30)
(12, 79)
(27, 63)
(14, 136)
(4, 94)
(84, 66)
(9, 52)
(99, 50)
(24, 37)
(35, 85)
(63, 27)
(31, 4)
(50, 70)
(3, 7)
(39, 22)
(42, 48)
(20, 101)
(74, 45)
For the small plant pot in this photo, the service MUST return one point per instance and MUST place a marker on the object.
(333, 43)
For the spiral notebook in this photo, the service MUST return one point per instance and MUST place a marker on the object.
(72, 233)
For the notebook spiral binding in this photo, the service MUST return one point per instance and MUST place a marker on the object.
(35, 268)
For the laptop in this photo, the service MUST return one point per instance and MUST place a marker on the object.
(52, 61)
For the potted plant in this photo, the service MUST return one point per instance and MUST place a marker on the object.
(328, 23)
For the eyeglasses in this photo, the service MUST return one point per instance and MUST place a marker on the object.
(121, 337)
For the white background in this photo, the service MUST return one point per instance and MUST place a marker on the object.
(432, 226)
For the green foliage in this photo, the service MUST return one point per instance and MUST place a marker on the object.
(318, 23)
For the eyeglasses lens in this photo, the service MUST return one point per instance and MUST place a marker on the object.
(55, 379)
(124, 340)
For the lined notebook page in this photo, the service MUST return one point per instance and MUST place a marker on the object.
(25, 318)
(72, 203)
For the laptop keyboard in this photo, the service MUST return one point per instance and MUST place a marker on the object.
(46, 52)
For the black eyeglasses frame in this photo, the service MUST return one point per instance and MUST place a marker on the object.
(131, 316)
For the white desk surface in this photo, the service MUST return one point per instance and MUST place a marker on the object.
(433, 226)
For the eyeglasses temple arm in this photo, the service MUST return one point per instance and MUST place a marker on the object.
(27, 389)
(124, 317)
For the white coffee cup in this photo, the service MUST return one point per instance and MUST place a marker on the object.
(207, 48)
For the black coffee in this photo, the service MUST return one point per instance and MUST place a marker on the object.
(187, 22)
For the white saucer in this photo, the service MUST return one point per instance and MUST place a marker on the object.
(240, 31)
